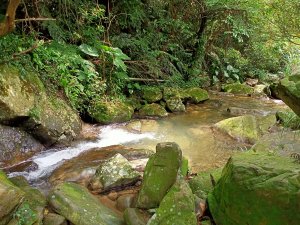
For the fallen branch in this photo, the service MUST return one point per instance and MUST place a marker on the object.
(36, 45)
(34, 19)
(145, 80)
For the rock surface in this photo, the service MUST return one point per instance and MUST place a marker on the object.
(257, 189)
(152, 94)
(175, 104)
(177, 207)
(237, 88)
(196, 95)
(288, 119)
(54, 219)
(160, 174)
(153, 109)
(77, 205)
(134, 216)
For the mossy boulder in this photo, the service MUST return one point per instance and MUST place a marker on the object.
(16, 145)
(246, 128)
(107, 112)
(237, 88)
(54, 219)
(153, 110)
(160, 174)
(289, 91)
(32, 208)
(257, 189)
(115, 172)
(175, 104)
(24, 102)
(177, 207)
(151, 94)
(202, 184)
(288, 119)
(134, 216)
(10, 198)
(195, 95)
(78, 206)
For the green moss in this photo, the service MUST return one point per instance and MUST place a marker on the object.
(237, 88)
(151, 94)
(196, 95)
(153, 110)
(288, 119)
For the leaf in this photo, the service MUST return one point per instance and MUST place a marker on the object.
(89, 50)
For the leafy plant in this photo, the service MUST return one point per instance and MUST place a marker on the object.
(24, 214)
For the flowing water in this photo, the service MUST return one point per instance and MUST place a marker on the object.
(204, 146)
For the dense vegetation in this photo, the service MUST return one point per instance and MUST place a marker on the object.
(85, 49)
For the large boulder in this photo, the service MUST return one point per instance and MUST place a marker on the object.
(134, 216)
(107, 112)
(16, 145)
(153, 110)
(115, 172)
(289, 91)
(160, 174)
(177, 207)
(152, 94)
(237, 88)
(247, 128)
(10, 198)
(196, 95)
(175, 104)
(288, 119)
(77, 205)
(24, 102)
(257, 189)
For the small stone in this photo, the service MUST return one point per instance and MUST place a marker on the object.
(113, 195)
(125, 201)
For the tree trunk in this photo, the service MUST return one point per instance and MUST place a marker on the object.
(8, 24)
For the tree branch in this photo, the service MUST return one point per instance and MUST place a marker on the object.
(34, 19)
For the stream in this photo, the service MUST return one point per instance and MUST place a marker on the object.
(202, 145)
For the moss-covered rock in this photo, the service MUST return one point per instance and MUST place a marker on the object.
(237, 88)
(24, 102)
(175, 104)
(288, 119)
(160, 174)
(177, 207)
(289, 91)
(54, 219)
(115, 172)
(77, 205)
(107, 112)
(152, 94)
(169, 92)
(154, 110)
(202, 184)
(196, 95)
(257, 189)
(10, 197)
(134, 216)
(16, 144)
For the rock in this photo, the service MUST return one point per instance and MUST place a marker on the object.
(134, 216)
(175, 104)
(125, 201)
(32, 207)
(202, 184)
(288, 119)
(251, 82)
(196, 95)
(24, 102)
(54, 219)
(107, 112)
(153, 109)
(169, 92)
(113, 195)
(160, 174)
(77, 205)
(177, 207)
(17, 145)
(152, 94)
(116, 172)
(134, 126)
(246, 128)
(10, 197)
(260, 89)
(184, 168)
(289, 91)
(257, 189)
(237, 88)
(236, 111)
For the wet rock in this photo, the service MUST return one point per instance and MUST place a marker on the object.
(237, 88)
(154, 110)
(169, 92)
(134, 126)
(134, 216)
(16, 145)
(77, 205)
(116, 172)
(10, 197)
(175, 104)
(204, 182)
(257, 189)
(260, 90)
(160, 174)
(288, 119)
(251, 82)
(184, 168)
(107, 112)
(152, 94)
(289, 91)
(177, 207)
(113, 195)
(196, 95)
(25, 103)
(125, 201)
(236, 111)
(54, 219)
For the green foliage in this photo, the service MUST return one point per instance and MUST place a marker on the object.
(24, 214)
